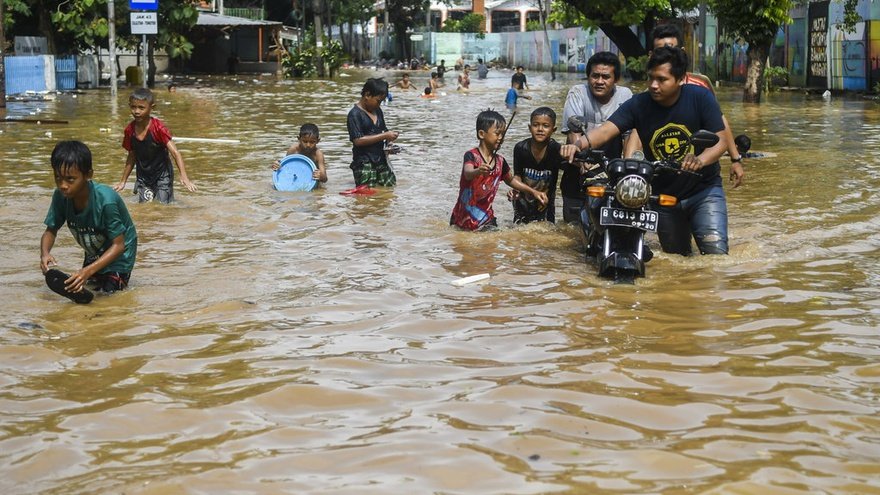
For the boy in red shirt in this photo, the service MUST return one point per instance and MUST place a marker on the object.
(149, 146)
(481, 173)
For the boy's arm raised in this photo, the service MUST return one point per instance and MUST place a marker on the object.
(178, 159)
(129, 166)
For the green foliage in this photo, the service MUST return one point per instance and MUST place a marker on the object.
(774, 77)
(82, 24)
(566, 15)
(333, 54)
(470, 23)
(850, 16)
(353, 11)
(176, 19)
(533, 26)
(82, 21)
(300, 61)
(637, 67)
(12, 10)
(756, 22)
(877, 88)
(625, 12)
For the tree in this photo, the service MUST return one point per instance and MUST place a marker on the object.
(403, 14)
(354, 12)
(756, 22)
(615, 17)
(470, 23)
(317, 7)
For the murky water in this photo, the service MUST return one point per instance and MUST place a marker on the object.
(312, 342)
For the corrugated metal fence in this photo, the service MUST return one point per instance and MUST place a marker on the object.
(65, 73)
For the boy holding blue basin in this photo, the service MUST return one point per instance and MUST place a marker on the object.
(307, 145)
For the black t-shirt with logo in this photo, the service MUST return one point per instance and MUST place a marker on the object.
(541, 176)
(664, 132)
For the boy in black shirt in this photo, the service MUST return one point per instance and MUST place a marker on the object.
(536, 162)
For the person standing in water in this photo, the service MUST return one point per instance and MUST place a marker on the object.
(150, 150)
(482, 171)
(369, 135)
(594, 102)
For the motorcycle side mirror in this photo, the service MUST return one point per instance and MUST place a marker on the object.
(704, 139)
(576, 123)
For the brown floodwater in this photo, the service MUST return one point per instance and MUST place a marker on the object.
(312, 342)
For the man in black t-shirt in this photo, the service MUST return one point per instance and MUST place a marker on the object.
(666, 115)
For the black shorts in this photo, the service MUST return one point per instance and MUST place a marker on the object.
(110, 281)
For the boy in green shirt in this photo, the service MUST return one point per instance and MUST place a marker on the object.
(97, 218)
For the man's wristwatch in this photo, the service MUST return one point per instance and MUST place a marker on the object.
(738, 159)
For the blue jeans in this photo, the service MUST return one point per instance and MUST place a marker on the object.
(703, 216)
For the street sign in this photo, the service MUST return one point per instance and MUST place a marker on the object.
(143, 4)
(416, 37)
(144, 23)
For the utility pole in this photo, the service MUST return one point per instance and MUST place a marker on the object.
(111, 20)
(2, 59)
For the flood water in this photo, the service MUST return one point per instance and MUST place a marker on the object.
(312, 342)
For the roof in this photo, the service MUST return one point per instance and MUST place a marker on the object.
(212, 19)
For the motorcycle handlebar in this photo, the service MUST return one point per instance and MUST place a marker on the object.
(590, 156)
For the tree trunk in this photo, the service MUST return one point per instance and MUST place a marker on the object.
(541, 13)
(402, 41)
(45, 27)
(329, 24)
(317, 7)
(757, 54)
(625, 40)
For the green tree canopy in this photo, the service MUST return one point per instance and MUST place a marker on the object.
(470, 23)
(615, 17)
(82, 24)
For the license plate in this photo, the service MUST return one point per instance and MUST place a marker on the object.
(639, 219)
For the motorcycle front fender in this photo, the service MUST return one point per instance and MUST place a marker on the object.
(622, 252)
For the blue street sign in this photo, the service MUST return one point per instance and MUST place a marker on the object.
(143, 4)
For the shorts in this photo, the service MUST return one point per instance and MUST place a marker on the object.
(107, 281)
(162, 191)
(368, 173)
(110, 281)
(490, 225)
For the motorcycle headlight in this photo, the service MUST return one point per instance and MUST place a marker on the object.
(632, 191)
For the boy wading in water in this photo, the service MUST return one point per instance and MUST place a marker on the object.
(482, 171)
(97, 218)
(150, 149)
(307, 145)
(369, 136)
(536, 162)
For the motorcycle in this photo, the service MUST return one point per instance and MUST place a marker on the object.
(620, 207)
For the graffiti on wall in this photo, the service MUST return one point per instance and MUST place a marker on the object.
(818, 45)
(847, 57)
